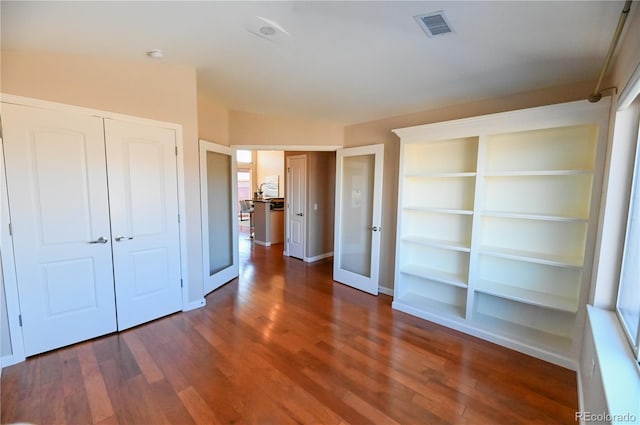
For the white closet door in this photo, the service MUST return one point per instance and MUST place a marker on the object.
(57, 185)
(143, 198)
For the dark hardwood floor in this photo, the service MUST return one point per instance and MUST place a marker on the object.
(285, 344)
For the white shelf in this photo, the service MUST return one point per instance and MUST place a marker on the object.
(441, 175)
(534, 173)
(458, 280)
(541, 299)
(523, 216)
(524, 187)
(422, 303)
(438, 210)
(456, 246)
(533, 257)
(525, 334)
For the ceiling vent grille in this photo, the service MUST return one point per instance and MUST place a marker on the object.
(434, 24)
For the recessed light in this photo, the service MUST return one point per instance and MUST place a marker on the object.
(155, 54)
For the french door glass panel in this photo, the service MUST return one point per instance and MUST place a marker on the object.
(221, 220)
(219, 204)
(357, 214)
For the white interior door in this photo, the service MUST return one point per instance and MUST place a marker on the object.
(219, 205)
(296, 205)
(143, 200)
(358, 217)
(57, 184)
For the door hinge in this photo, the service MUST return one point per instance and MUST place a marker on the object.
(178, 218)
(287, 240)
(10, 230)
(20, 319)
(176, 151)
(181, 283)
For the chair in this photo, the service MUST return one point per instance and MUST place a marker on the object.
(246, 207)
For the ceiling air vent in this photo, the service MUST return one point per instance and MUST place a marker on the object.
(434, 24)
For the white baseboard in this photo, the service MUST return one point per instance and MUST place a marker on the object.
(9, 360)
(581, 407)
(385, 291)
(195, 304)
(318, 257)
(261, 243)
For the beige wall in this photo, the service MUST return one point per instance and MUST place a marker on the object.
(213, 120)
(270, 163)
(321, 173)
(379, 131)
(249, 129)
(155, 90)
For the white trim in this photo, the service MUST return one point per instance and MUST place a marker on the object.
(616, 362)
(9, 271)
(289, 148)
(9, 360)
(386, 291)
(579, 381)
(182, 210)
(318, 257)
(631, 90)
(558, 115)
(257, 242)
(195, 304)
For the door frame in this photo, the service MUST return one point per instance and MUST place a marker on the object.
(232, 271)
(9, 274)
(358, 281)
(13, 305)
(287, 210)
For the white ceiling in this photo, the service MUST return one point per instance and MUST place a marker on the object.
(348, 61)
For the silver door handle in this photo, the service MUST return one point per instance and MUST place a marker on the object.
(123, 238)
(300, 214)
(375, 228)
(101, 239)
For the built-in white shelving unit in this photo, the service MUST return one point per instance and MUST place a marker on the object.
(496, 224)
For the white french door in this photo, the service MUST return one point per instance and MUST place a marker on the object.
(358, 217)
(219, 205)
(57, 186)
(143, 200)
(296, 205)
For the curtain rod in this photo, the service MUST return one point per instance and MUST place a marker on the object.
(596, 95)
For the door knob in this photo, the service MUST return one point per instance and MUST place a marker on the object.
(122, 238)
(375, 228)
(101, 239)
(300, 214)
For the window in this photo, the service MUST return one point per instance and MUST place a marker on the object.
(244, 156)
(628, 304)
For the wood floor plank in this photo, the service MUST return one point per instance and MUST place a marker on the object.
(286, 344)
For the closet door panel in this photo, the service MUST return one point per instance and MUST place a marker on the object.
(144, 214)
(57, 184)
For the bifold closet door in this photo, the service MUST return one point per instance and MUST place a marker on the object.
(57, 184)
(143, 200)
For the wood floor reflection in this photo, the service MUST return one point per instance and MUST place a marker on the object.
(285, 344)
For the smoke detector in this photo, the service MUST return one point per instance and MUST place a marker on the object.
(155, 54)
(434, 24)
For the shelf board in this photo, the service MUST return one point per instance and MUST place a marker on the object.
(528, 216)
(527, 296)
(533, 173)
(532, 257)
(431, 175)
(525, 334)
(456, 246)
(439, 210)
(454, 279)
(422, 303)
